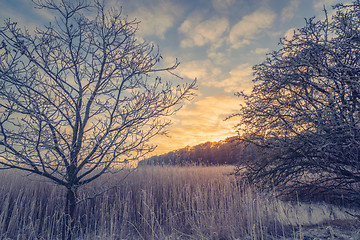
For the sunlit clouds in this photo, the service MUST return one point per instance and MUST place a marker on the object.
(199, 33)
(200, 122)
(290, 33)
(203, 70)
(243, 32)
(260, 51)
(156, 19)
(240, 79)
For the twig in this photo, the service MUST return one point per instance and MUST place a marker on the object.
(354, 215)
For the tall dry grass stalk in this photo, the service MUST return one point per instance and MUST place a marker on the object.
(156, 203)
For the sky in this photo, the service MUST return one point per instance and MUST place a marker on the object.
(216, 41)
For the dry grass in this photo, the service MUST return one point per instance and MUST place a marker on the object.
(161, 203)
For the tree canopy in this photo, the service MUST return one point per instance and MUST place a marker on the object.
(304, 108)
(82, 94)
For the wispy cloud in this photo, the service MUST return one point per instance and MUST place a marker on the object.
(156, 19)
(319, 4)
(250, 26)
(25, 14)
(260, 51)
(218, 56)
(209, 75)
(203, 70)
(220, 5)
(240, 79)
(199, 33)
(288, 12)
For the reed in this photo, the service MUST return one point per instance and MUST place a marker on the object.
(156, 203)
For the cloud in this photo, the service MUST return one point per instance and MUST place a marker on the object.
(193, 70)
(209, 75)
(24, 13)
(250, 26)
(199, 33)
(199, 122)
(208, 113)
(240, 79)
(319, 8)
(289, 11)
(290, 33)
(220, 5)
(260, 51)
(203, 70)
(219, 57)
(157, 19)
(319, 4)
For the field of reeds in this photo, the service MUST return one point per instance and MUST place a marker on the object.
(165, 203)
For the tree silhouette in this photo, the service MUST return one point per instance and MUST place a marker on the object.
(79, 96)
(304, 110)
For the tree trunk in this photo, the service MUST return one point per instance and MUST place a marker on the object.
(69, 222)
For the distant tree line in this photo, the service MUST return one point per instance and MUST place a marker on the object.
(227, 152)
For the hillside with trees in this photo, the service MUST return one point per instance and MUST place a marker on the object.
(227, 152)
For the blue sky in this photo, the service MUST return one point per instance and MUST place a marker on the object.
(216, 41)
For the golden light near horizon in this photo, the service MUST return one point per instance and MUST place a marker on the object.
(200, 122)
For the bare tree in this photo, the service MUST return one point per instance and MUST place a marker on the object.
(79, 96)
(304, 110)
